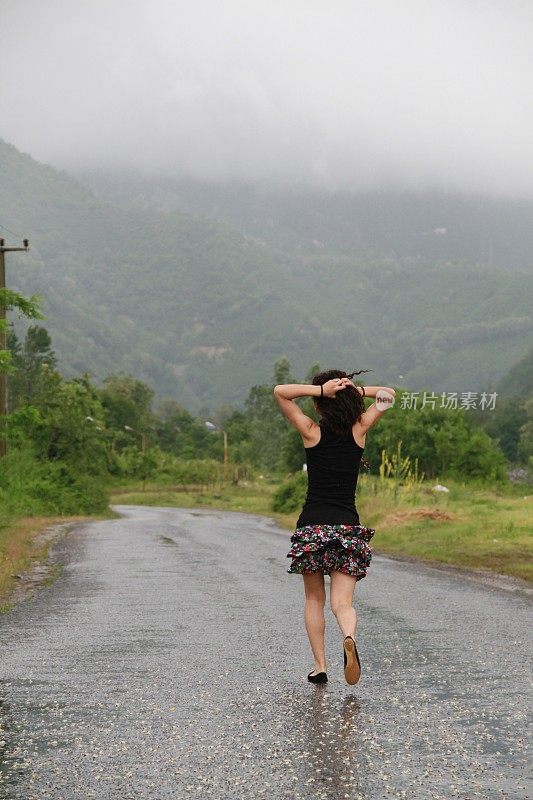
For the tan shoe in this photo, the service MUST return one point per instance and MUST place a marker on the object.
(352, 665)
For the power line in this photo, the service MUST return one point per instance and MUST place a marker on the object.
(19, 235)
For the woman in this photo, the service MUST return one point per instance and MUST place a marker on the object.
(328, 539)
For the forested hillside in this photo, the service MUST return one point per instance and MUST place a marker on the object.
(518, 382)
(201, 311)
(430, 226)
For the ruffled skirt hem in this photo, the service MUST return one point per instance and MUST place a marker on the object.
(322, 548)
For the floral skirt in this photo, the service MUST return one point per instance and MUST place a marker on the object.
(321, 548)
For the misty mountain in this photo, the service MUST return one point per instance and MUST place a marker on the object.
(485, 231)
(202, 310)
(518, 382)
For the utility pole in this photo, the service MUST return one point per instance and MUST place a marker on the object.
(213, 428)
(3, 380)
(225, 456)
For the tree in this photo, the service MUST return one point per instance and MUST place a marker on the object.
(445, 441)
(27, 361)
(504, 424)
(68, 423)
(478, 457)
(186, 436)
(58, 459)
(268, 427)
(27, 307)
(293, 451)
(127, 402)
(525, 444)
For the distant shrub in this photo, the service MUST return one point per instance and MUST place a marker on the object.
(132, 462)
(291, 494)
(166, 468)
(189, 472)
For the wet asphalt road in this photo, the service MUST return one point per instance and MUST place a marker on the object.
(169, 660)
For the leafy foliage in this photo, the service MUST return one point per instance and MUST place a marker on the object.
(57, 459)
(30, 485)
(445, 442)
(27, 360)
(67, 438)
(27, 307)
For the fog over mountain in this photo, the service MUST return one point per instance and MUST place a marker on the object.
(341, 94)
(202, 310)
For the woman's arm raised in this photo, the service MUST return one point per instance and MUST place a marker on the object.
(287, 393)
(371, 391)
(291, 391)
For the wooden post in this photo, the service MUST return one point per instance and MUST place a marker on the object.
(3, 377)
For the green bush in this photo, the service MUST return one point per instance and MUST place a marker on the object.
(446, 442)
(189, 472)
(291, 494)
(29, 486)
(156, 465)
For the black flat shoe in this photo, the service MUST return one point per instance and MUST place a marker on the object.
(352, 665)
(320, 677)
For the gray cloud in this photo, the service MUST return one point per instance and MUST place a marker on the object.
(340, 93)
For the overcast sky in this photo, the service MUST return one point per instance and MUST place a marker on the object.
(340, 93)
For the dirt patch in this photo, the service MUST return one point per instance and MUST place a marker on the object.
(42, 568)
(418, 513)
(40, 572)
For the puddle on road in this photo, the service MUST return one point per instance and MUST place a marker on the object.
(211, 514)
(168, 540)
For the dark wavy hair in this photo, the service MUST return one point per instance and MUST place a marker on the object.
(339, 413)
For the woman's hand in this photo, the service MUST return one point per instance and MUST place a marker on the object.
(334, 385)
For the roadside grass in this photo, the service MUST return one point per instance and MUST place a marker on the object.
(19, 547)
(470, 526)
(477, 528)
(22, 546)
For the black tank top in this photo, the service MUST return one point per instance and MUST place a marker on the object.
(332, 472)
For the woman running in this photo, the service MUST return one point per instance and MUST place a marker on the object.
(328, 539)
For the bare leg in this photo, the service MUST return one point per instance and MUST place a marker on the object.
(341, 594)
(315, 621)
